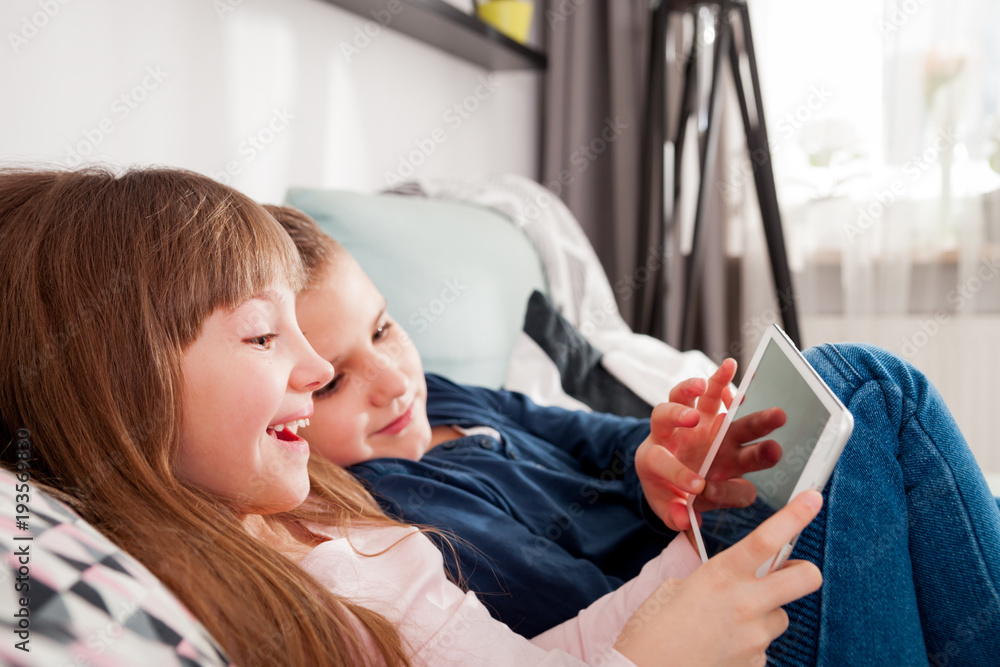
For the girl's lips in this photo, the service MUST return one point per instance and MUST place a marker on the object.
(402, 422)
(290, 441)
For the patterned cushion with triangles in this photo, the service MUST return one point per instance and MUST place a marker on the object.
(70, 597)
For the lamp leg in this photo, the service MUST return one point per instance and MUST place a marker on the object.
(709, 150)
(758, 147)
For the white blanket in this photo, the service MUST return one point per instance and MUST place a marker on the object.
(578, 287)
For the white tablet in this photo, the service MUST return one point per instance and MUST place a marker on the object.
(816, 429)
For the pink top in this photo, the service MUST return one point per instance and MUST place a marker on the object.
(444, 625)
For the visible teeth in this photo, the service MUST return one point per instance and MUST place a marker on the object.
(297, 423)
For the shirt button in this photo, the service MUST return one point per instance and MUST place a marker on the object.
(512, 455)
(450, 444)
(486, 442)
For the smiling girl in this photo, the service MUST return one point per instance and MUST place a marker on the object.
(150, 345)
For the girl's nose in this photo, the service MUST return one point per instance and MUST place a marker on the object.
(390, 383)
(312, 371)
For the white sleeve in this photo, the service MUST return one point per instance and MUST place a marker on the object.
(596, 628)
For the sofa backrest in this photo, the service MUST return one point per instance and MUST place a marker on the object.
(456, 276)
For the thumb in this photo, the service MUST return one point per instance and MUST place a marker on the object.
(773, 534)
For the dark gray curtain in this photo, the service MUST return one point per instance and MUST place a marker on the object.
(611, 112)
(593, 138)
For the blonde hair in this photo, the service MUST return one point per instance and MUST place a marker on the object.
(106, 280)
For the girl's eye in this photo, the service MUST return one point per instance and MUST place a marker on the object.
(382, 331)
(330, 387)
(265, 341)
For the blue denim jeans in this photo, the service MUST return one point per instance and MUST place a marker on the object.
(909, 537)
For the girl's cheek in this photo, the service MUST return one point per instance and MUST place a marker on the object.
(334, 420)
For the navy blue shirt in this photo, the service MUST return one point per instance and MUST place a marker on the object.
(548, 519)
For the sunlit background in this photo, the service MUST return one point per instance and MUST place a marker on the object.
(885, 127)
(883, 122)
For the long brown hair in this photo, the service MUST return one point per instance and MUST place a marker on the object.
(106, 279)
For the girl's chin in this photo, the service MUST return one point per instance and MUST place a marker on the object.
(421, 439)
(411, 445)
(295, 494)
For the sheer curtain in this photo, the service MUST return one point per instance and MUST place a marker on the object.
(885, 129)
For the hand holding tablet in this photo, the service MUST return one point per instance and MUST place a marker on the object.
(815, 429)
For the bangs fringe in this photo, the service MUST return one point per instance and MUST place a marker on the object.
(227, 250)
(245, 253)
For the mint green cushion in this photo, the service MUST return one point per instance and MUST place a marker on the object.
(456, 276)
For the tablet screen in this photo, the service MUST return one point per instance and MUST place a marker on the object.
(776, 383)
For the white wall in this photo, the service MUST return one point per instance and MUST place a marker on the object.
(186, 83)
